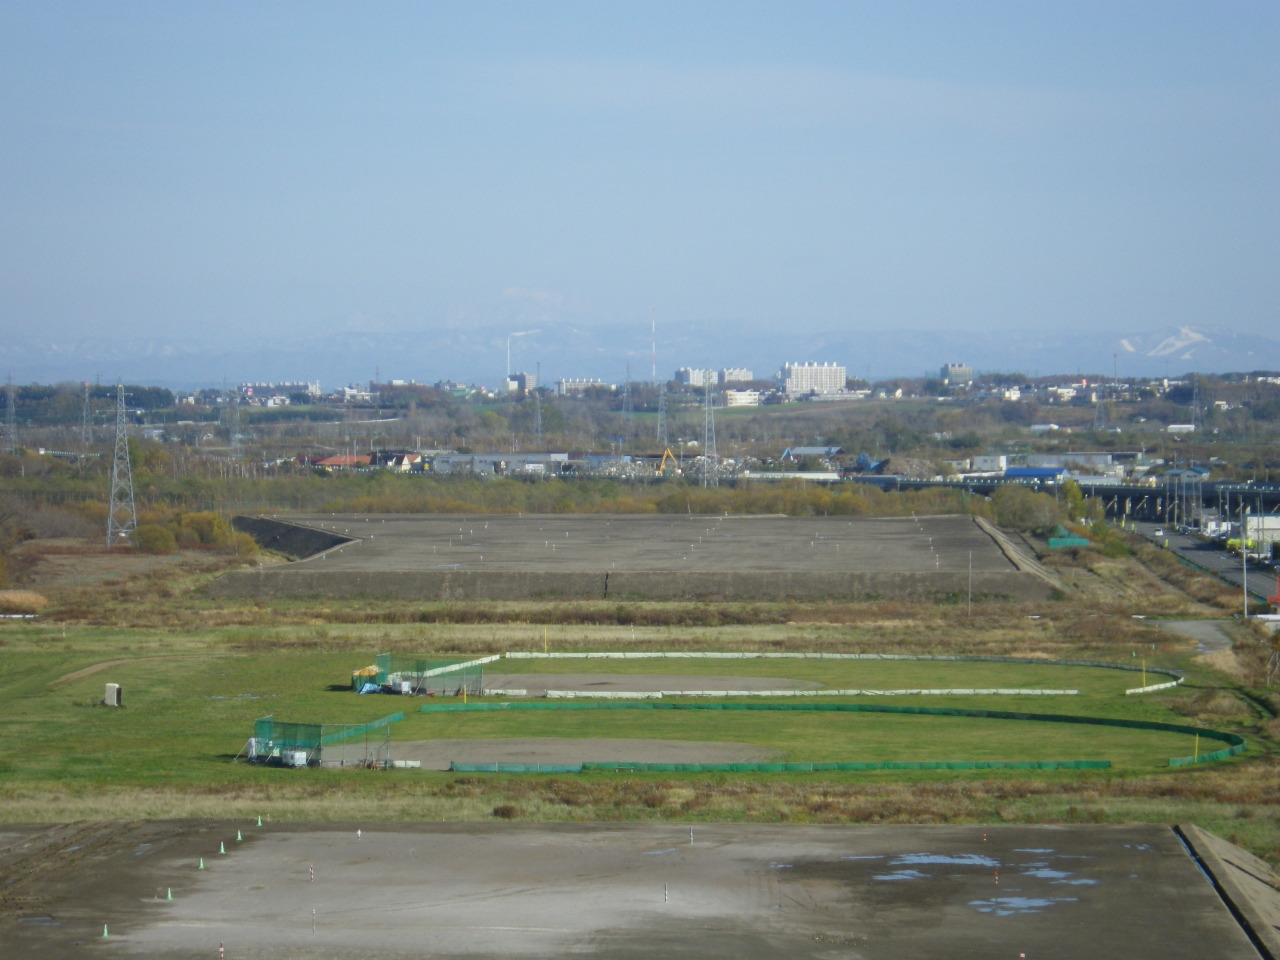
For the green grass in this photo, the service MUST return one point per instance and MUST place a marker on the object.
(190, 703)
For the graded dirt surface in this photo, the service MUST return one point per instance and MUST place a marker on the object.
(537, 684)
(491, 890)
(508, 557)
(568, 751)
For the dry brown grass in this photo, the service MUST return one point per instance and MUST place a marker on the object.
(1224, 662)
(1213, 707)
(22, 602)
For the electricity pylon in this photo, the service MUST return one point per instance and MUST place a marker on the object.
(122, 515)
(710, 458)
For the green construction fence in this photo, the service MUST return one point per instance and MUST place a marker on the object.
(278, 739)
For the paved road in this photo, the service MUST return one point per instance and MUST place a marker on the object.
(1211, 555)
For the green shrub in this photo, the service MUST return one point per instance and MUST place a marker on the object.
(153, 538)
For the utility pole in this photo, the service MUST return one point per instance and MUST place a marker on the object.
(122, 515)
(1244, 554)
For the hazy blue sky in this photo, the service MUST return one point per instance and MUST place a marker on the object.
(238, 168)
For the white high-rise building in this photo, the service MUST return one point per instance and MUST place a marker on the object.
(691, 377)
(802, 379)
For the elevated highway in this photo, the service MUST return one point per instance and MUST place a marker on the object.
(1172, 502)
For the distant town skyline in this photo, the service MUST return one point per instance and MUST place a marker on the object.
(478, 355)
(215, 177)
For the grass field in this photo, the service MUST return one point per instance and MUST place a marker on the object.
(188, 712)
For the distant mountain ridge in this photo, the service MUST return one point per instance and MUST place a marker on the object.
(477, 353)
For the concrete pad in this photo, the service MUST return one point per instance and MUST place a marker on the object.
(615, 891)
(1248, 884)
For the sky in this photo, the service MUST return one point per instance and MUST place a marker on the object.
(225, 171)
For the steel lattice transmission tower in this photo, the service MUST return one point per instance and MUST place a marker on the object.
(86, 425)
(710, 459)
(10, 421)
(232, 401)
(663, 441)
(626, 403)
(537, 410)
(122, 515)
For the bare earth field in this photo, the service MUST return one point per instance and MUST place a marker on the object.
(438, 754)
(608, 891)
(638, 557)
(537, 684)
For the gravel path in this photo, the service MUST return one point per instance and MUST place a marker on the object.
(1209, 636)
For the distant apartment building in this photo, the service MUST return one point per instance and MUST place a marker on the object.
(352, 394)
(277, 394)
(571, 387)
(521, 384)
(742, 398)
(735, 375)
(957, 372)
(803, 379)
(692, 377)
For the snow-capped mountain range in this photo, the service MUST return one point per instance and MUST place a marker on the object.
(479, 354)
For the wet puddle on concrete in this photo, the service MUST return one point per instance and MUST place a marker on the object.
(1012, 906)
